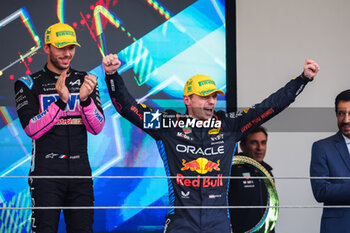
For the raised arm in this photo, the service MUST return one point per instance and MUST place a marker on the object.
(122, 100)
(311, 69)
(243, 122)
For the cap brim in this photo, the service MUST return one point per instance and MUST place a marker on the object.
(218, 91)
(65, 44)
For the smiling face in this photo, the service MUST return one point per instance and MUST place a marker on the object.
(343, 117)
(201, 107)
(59, 59)
(255, 146)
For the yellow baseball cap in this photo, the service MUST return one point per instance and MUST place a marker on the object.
(60, 35)
(201, 85)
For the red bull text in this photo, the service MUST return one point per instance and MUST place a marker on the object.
(204, 182)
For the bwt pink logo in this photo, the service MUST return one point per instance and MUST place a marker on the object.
(72, 104)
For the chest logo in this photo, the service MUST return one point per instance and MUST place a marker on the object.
(72, 104)
(201, 165)
(76, 82)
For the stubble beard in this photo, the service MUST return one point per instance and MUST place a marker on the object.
(55, 62)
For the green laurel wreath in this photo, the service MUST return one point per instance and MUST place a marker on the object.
(269, 218)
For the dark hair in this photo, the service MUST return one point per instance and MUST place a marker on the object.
(343, 96)
(256, 130)
(190, 96)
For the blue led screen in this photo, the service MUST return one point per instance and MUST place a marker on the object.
(160, 43)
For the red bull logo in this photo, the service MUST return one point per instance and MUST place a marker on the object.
(192, 165)
(204, 182)
(201, 165)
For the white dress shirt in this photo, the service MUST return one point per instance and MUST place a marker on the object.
(347, 141)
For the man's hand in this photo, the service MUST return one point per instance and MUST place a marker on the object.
(88, 87)
(111, 63)
(61, 87)
(310, 69)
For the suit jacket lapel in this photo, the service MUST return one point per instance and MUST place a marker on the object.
(342, 148)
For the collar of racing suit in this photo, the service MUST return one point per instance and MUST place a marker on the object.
(53, 74)
(189, 116)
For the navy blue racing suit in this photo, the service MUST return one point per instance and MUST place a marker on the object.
(247, 192)
(204, 153)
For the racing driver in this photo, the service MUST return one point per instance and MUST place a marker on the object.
(195, 150)
(56, 106)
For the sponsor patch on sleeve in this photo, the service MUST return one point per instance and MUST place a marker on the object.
(28, 81)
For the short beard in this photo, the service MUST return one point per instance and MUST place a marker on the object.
(55, 63)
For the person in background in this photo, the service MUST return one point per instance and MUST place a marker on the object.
(249, 192)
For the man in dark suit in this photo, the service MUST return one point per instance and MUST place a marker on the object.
(331, 158)
(249, 192)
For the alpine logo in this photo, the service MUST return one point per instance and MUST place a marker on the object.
(76, 82)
